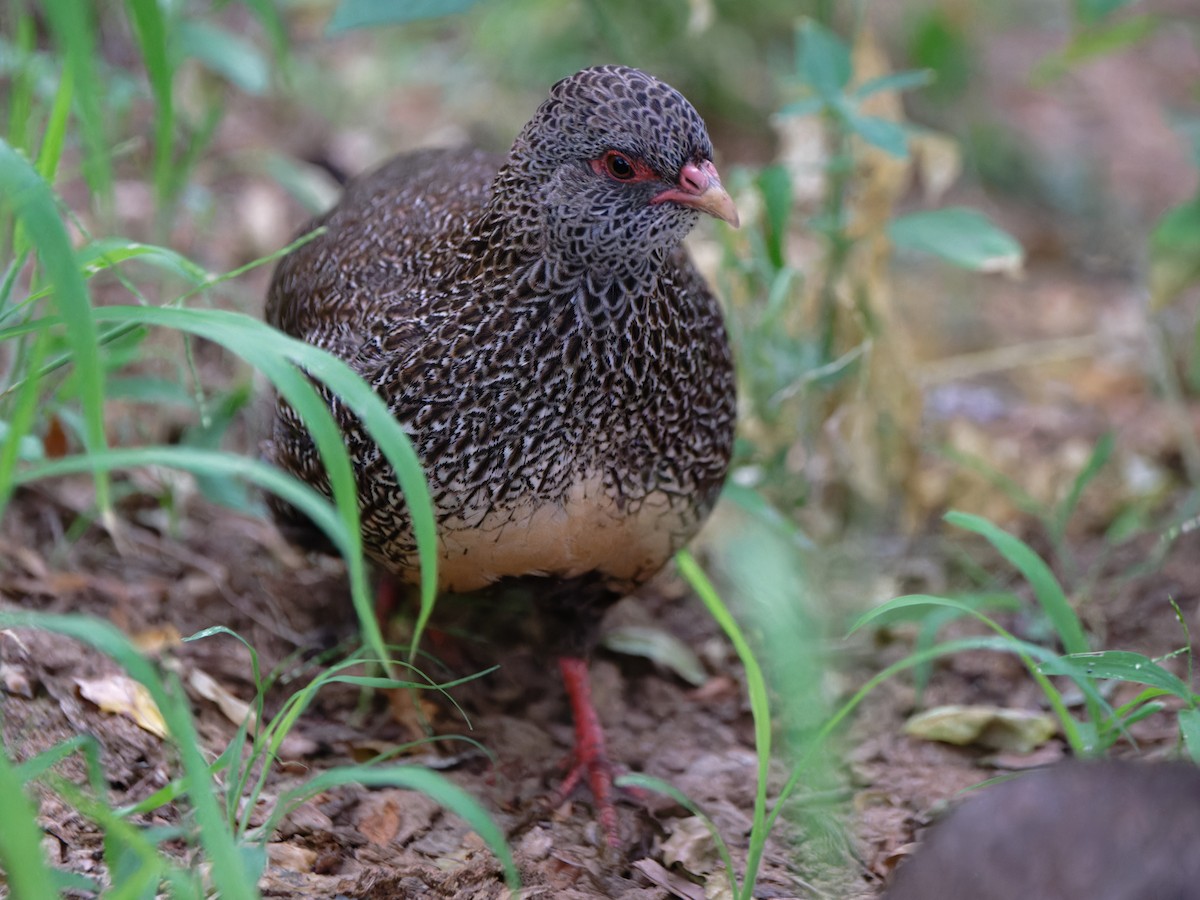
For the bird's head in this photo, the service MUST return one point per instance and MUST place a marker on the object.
(617, 166)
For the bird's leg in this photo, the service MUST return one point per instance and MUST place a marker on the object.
(589, 756)
(387, 599)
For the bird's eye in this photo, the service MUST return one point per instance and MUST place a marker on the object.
(618, 166)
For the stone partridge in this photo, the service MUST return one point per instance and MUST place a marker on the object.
(535, 325)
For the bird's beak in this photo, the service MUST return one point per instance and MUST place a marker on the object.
(700, 188)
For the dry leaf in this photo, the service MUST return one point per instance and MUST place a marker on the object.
(121, 695)
(677, 885)
(154, 641)
(1010, 730)
(233, 708)
(289, 856)
(691, 846)
(15, 680)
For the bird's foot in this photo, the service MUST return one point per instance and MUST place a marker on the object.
(589, 759)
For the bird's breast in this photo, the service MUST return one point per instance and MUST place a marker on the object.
(590, 529)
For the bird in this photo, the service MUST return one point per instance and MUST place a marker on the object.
(536, 326)
(1080, 830)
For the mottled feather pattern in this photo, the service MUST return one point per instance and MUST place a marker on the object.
(541, 335)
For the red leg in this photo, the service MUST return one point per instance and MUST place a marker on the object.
(387, 599)
(589, 757)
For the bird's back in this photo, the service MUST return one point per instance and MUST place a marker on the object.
(385, 242)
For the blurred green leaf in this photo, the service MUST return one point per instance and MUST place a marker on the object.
(367, 13)
(1189, 730)
(885, 134)
(28, 448)
(896, 81)
(1097, 460)
(147, 389)
(1092, 42)
(822, 59)
(775, 186)
(1122, 665)
(229, 55)
(1089, 12)
(806, 107)
(938, 42)
(269, 15)
(964, 237)
(207, 435)
(309, 185)
(27, 873)
(35, 205)
(19, 46)
(73, 26)
(105, 253)
(55, 134)
(1175, 253)
(151, 32)
(1045, 586)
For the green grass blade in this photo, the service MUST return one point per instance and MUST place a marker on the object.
(1024, 650)
(256, 342)
(107, 253)
(21, 81)
(207, 462)
(272, 352)
(1123, 665)
(151, 32)
(22, 414)
(55, 134)
(650, 783)
(1099, 457)
(25, 869)
(135, 866)
(268, 15)
(1189, 730)
(756, 686)
(34, 204)
(228, 875)
(74, 29)
(229, 55)
(36, 766)
(1045, 586)
(160, 255)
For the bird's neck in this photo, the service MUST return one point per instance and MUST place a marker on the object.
(517, 238)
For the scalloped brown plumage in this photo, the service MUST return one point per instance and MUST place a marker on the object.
(535, 325)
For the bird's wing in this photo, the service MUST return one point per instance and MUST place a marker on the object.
(385, 242)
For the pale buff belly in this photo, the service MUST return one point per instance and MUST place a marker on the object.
(589, 531)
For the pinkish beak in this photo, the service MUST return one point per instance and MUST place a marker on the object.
(700, 188)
